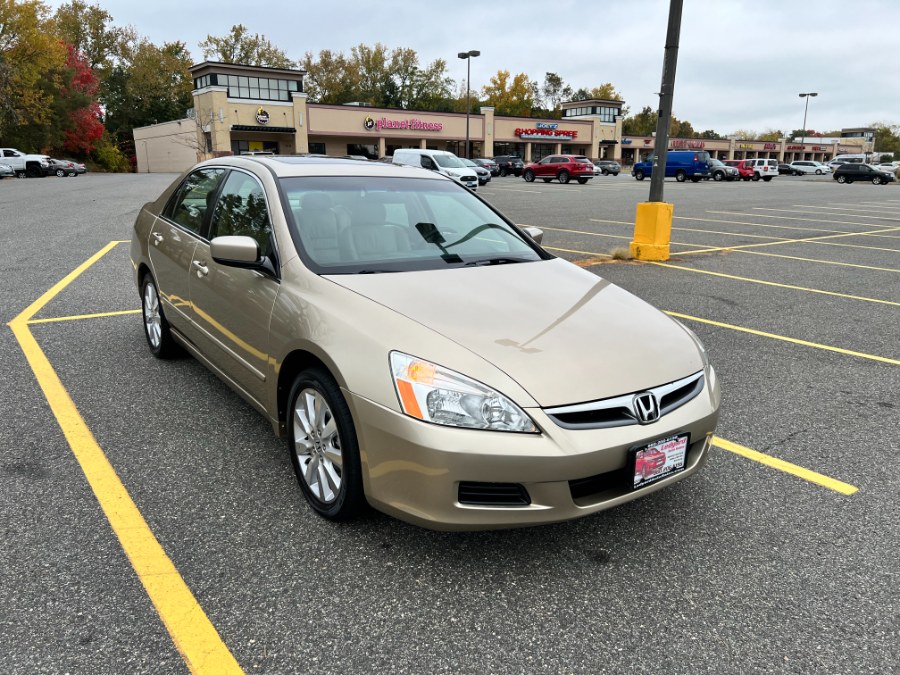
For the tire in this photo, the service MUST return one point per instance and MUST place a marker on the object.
(21, 174)
(60, 173)
(841, 179)
(718, 176)
(604, 172)
(695, 179)
(767, 178)
(680, 176)
(563, 177)
(156, 328)
(529, 176)
(818, 172)
(639, 175)
(74, 174)
(582, 181)
(876, 180)
(323, 446)
(546, 180)
(504, 172)
(616, 173)
(755, 177)
(34, 172)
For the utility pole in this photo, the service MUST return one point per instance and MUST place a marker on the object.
(653, 219)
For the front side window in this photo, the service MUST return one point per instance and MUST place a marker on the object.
(191, 201)
(241, 210)
(355, 225)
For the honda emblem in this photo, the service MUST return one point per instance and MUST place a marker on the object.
(646, 407)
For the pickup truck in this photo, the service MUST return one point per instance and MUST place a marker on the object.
(24, 164)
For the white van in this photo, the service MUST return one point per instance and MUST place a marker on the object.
(441, 161)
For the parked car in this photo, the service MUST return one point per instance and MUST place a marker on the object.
(763, 169)
(6, 171)
(744, 167)
(720, 171)
(682, 164)
(510, 164)
(801, 167)
(439, 161)
(561, 167)
(890, 167)
(785, 170)
(60, 167)
(850, 172)
(489, 164)
(484, 176)
(392, 326)
(607, 166)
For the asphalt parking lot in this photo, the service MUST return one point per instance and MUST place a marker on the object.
(780, 556)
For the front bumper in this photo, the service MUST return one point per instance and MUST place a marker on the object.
(413, 470)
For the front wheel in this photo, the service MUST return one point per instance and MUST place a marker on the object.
(718, 176)
(60, 173)
(639, 175)
(529, 176)
(156, 328)
(604, 172)
(582, 181)
(323, 445)
(841, 179)
(680, 176)
(876, 180)
(818, 172)
(503, 173)
(563, 177)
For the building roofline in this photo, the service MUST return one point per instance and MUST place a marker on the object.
(221, 66)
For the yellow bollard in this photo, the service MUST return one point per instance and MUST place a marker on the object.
(652, 231)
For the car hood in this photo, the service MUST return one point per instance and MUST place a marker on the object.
(564, 334)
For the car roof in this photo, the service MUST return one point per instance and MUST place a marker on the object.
(285, 166)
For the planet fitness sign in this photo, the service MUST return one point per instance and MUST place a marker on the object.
(413, 124)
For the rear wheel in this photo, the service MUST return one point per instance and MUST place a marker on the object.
(156, 328)
(639, 175)
(504, 172)
(60, 173)
(767, 178)
(563, 177)
(582, 181)
(604, 172)
(818, 172)
(841, 179)
(756, 176)
(718, 176)
(529, 176)
(323, 445)
(680, 176)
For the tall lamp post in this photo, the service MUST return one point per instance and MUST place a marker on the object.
(468, 56)
(805, 110)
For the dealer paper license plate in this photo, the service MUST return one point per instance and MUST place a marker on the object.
(659, 459)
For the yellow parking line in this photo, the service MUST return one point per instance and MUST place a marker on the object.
(822, 262)
(774, 227)
(191, 630)
(787, 467)
(835, 208)
(885, 228)
(805, 240)
(784, 338)
(83, 316)
(569, 250)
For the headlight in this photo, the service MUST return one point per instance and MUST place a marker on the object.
(436, 394)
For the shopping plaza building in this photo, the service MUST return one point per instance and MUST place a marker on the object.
(239, 109)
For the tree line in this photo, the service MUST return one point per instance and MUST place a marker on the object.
(73, 83)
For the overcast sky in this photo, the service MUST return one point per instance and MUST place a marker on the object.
(741, 63)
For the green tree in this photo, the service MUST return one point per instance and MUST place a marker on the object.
(509, 97)
(710, 134)
(642, 124)
(241, 47)
(32, 63)
(329, 78)
(887, 137)
(89, 29)
(771, 135)
(744, 134)
(554, 92)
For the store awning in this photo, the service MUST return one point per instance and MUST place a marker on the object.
(263, 130)
(609, 142)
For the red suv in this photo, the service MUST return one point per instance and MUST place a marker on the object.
(562, 167)
(744, 167)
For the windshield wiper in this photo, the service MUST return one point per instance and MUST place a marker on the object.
(376, 271)
(495, 261)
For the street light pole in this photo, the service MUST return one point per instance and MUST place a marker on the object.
(468, 56)
(805, 110)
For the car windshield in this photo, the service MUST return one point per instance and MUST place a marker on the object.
(715, 162)
(449, 161)
(361, 225)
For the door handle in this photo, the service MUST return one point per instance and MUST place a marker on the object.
(157, 238)
(202, 269)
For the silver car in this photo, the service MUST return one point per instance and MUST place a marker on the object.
(417, 350)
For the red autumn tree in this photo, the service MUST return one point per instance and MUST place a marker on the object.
(83, 128)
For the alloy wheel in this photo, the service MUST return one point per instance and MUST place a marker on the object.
(317, 446)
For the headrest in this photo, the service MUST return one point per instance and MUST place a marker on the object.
(315, 200)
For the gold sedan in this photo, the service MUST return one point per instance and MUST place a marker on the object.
(419, 352)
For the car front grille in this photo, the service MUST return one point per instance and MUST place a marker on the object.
(620, 411)
(493, 494)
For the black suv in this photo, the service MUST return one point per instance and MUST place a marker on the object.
(510, 164)
(847, 173)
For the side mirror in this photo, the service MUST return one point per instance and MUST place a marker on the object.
(235, 251)
(535, 233)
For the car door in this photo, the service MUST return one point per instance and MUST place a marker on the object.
(547, 166)
(173, 238)
(232, 305)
